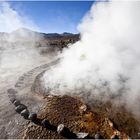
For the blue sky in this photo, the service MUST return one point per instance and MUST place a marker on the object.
(54, 16)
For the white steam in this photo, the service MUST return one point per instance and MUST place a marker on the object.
(105, 62)
(11, 19)
(18, 47)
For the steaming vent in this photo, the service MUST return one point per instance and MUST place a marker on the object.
(102, 67)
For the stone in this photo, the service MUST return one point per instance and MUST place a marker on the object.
(65, 132)
(98, 136)
(60, 128)
(20, 108)
(82, 135)
(45, 123)
(32, 116)
(16, 103)
(115, 137)
(25, 113)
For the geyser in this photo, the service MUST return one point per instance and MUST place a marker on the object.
(104, 64)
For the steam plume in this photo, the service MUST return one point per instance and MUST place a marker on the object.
(105, 62)
(11, 19)
(18, 52)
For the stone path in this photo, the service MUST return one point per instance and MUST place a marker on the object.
(26, 80)
(10, 121)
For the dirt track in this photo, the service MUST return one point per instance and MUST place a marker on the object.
(12, 123)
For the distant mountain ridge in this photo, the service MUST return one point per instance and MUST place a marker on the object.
(53, 40)
(28, 31)
(24, 34)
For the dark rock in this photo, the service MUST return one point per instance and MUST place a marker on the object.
(82, 135)
(25, 113)
(65, 132)
(32, 116)
(20, 108)
(16, 103)
(47, 125)
(115, 137)
(98, 136)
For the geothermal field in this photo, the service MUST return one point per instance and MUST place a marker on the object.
(81, 85)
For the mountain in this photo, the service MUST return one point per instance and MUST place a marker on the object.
(66, 34)
(28, 32)
(24, 34)
(53, 41)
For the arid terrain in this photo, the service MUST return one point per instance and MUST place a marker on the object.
(22, 83)
(22, 59)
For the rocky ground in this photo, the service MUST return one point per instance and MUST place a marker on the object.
(75, 115)
(121, 118)
(21, 60)
(65, 116)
